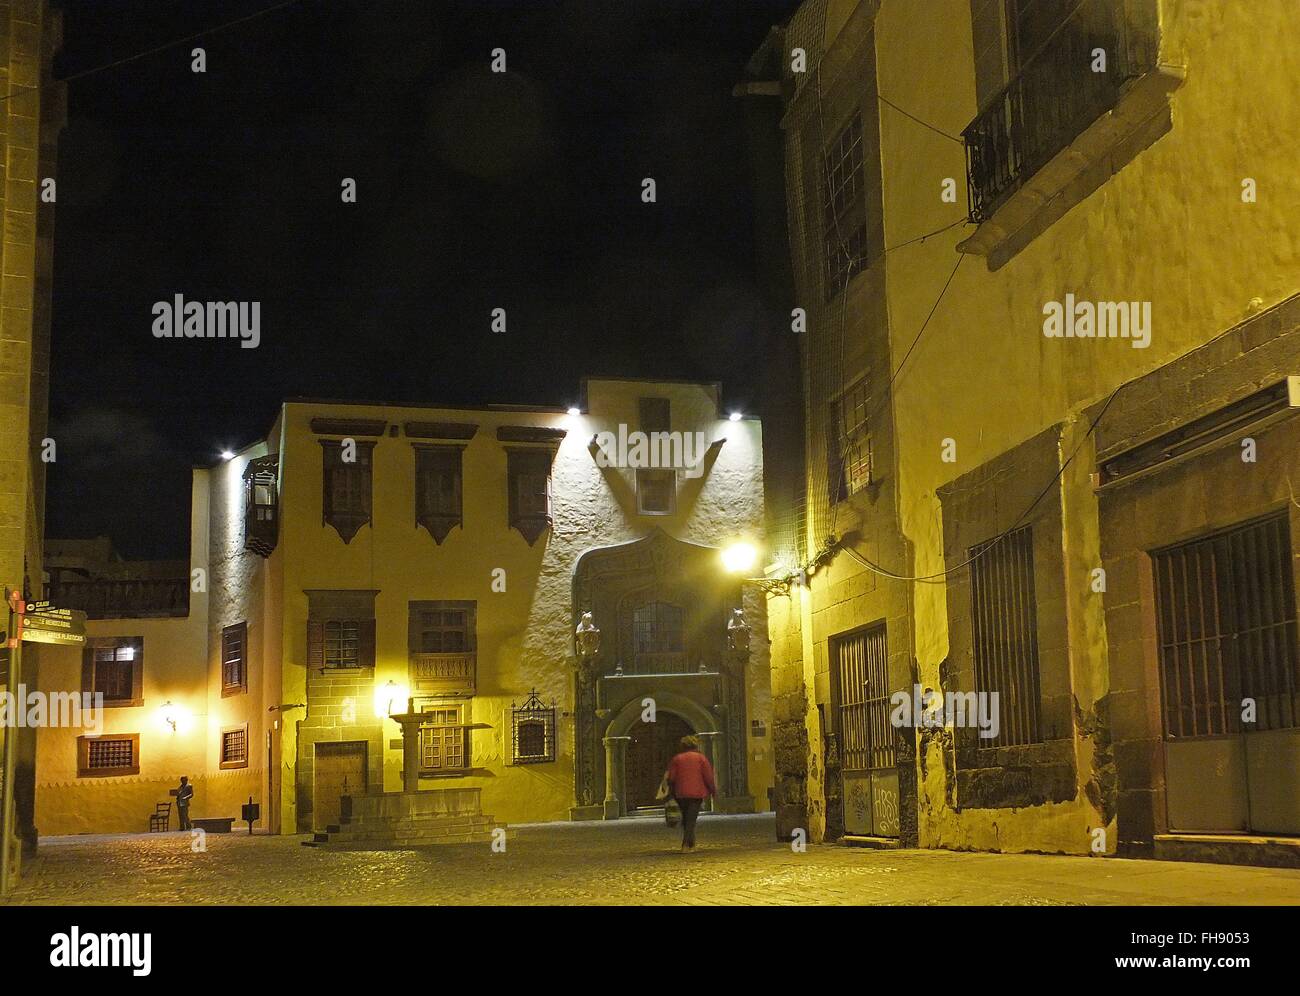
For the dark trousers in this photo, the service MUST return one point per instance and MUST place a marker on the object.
(183, 814)
(690, 813)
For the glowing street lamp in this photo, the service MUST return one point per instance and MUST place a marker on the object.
(739, 558)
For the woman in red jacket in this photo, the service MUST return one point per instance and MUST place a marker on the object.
(690, 782)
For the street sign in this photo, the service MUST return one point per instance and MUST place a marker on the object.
(54, 626)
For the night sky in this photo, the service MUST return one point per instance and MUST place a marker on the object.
(474, 191)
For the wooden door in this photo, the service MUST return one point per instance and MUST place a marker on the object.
(652, 747)
(340, 770)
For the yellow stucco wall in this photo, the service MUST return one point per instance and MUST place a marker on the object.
(524, 638)
(1170, 228)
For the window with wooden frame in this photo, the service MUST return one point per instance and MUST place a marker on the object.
(108, 756)
(234, 747)
(114, 668)
(234, 659)
(656, 492)
(1005, 629)
(438, 503)
(529, 479)
(341, 644)
(844, 207)
(444, 739)
(443, 631)
(849, 442)
(346, 497)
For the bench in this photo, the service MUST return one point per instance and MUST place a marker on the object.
(214, 824)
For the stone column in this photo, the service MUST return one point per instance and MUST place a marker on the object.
(709, 748)
(615, 758)
(410, 723)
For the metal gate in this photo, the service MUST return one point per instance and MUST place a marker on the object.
(1230, 680)
(860, 690)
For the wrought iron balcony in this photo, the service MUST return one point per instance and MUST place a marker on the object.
(443, 674)
(1055, 96)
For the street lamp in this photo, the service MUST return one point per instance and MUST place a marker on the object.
(739, 558)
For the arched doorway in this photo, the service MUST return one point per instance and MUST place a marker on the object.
(648, 752)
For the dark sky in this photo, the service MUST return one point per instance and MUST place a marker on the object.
(474, 191)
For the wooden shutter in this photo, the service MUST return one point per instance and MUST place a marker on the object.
(315, 645)
(88, 668)
(137, 671)
(988, 37)
(366, 642)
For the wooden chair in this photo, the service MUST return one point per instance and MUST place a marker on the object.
(161, 818)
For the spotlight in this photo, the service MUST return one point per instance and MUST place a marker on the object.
(575, 411)
(227, 454)
(739, 558)
(735, 416)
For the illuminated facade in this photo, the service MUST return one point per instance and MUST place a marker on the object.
(1097, 527)
(364, 559)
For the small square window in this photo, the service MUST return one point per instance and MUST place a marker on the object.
(656, 492)
(234, 747)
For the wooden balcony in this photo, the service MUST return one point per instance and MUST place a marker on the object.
(442, 674)
(136, 598)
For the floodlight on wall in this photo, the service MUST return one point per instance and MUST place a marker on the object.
(739, 558)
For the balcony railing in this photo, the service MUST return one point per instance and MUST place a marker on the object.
(1053, 98)
(138, 598)
(442, 674)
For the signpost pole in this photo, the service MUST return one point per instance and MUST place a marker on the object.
(15, 645)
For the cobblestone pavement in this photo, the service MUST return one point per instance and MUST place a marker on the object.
(628, 862)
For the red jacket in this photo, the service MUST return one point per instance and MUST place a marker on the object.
(690, 776)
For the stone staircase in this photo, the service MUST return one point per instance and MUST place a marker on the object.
(399, 820)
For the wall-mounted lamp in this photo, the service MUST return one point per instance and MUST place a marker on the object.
(169, 714)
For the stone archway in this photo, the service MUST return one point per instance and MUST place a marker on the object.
(692, 675)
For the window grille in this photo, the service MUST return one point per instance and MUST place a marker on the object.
(1005, 618)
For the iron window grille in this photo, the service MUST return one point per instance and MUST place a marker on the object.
(1226, 623)
(861, 675)
(1054, 94)
(1005, 618)
(533, 731)
(659, 638)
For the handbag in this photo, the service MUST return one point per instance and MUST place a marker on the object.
(663, 788)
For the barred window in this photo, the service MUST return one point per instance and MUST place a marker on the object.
(534, 731)
(1005, 621)
(443, 740)
(844, 207)
(110, 755)
(234, 747)
(234, 662)
(343, 643)
(658, 627)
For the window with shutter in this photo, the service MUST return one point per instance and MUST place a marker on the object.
(113, 667)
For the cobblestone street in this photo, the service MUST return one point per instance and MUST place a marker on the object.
(628, 862)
